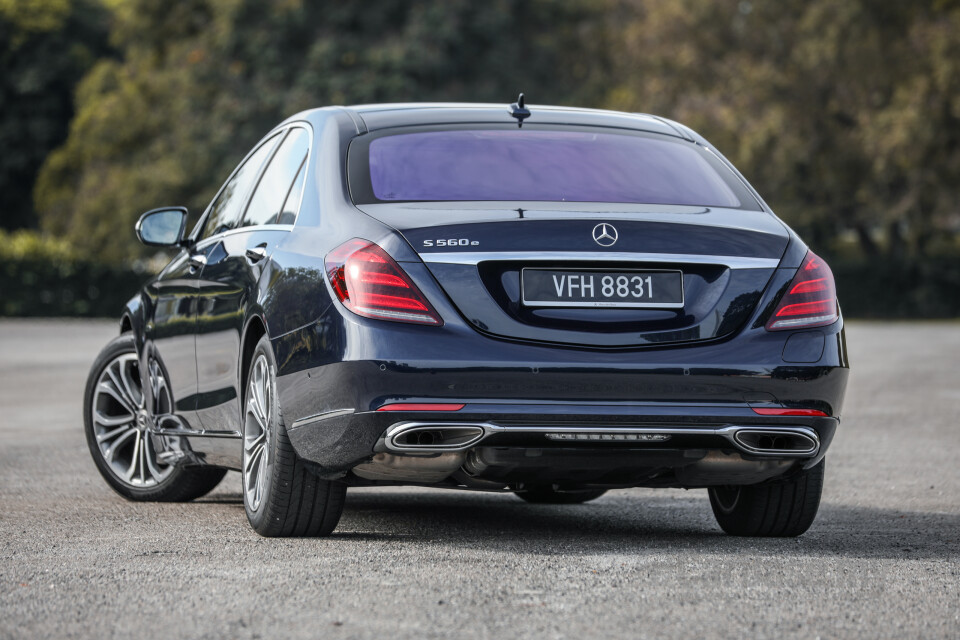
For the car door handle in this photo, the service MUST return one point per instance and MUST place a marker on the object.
(256, 254)
(198, 261)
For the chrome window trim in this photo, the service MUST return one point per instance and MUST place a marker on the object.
(206, 242)
(476, 257)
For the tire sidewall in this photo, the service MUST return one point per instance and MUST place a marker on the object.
(798, 496)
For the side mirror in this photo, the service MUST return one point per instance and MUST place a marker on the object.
(162, 227)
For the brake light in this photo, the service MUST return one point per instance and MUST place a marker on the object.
(810, 300)
(371, 284)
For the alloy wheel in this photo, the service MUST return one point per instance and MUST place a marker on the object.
(257, 432)
(121, 421)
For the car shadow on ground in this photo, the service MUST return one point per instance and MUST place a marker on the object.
(617, 524)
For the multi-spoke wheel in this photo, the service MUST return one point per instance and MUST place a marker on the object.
(282, 497)
(120, 421)
(257, 461)
(117, 419)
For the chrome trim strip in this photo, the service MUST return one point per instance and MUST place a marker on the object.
(728, 432)
(326, 415)
(475, 257)
(196, 434)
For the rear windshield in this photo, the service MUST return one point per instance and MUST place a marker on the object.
(541, 165)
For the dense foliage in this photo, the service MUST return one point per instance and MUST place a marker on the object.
(201, 81)
(844, 113)
(45, 48)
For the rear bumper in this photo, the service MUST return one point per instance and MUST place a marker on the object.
(333, 377)
(337, 443)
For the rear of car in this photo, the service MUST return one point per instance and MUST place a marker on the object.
(586, 302)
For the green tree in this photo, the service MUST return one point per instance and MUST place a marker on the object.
(198, 82)
(844, 114)
(45, 48)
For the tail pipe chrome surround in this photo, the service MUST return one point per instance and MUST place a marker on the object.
(434, 436)
(780, 441)
(755, 440)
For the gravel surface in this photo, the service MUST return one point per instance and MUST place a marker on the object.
(882, 559)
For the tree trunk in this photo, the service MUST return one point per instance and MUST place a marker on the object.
(867, 243)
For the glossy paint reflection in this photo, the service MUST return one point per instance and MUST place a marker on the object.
(228, 287)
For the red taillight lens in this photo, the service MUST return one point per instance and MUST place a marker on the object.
(370, 283)
(810, 300)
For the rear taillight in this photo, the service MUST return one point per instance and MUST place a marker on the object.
(810, 300)
(370, 283)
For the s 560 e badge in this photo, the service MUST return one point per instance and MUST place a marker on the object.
(451, 242)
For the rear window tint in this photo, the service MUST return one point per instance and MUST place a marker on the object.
(545, 165)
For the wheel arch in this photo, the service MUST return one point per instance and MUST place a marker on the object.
(132, 320)
(254, 329)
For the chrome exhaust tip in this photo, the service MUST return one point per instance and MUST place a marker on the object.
(427, 437)
(798, 442)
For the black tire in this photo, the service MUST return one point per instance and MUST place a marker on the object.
(292, 500)
(176, 484)
(548, 494)
(785, 508)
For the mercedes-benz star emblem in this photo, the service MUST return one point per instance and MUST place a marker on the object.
(605, 234)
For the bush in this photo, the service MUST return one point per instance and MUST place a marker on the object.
(42, 276)
(899, 288)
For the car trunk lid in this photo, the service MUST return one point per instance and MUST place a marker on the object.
(478, 253)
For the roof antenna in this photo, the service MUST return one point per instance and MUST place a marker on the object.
(518, 111)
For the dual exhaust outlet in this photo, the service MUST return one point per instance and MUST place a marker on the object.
(422, 437)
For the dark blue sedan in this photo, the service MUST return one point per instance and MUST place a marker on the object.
(548, 301)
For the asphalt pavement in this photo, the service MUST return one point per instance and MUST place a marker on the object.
(882, 559)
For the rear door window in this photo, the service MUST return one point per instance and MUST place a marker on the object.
(226, 209)
(288, 214)
(275, 185)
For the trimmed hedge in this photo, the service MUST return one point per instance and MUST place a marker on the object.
(43, 276)
(73, 288)
(899, 289)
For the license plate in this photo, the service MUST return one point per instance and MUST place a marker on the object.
(601, 288)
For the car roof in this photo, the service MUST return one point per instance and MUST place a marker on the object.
(384, 116)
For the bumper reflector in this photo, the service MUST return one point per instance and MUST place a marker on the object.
(610, 437)
(419, 406)
(816, 413)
